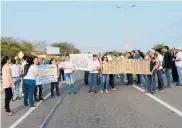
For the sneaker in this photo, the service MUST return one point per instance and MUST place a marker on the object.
(162, 90)
(113, 89)
(41, 98)
(74, 92)
(95, 91)
(102, 91)
(37, 100)
(90, 91)
(107, 91)
(17, 98)
(152, 92)
(69, 94)
(25, 106)
(32, 106)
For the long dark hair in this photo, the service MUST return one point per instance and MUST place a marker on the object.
(51, 61)
(27, 65)
(4, 60)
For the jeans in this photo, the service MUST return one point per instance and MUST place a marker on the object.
(40, 91)
(160, 79)
(121, 77)
(179, 70)
(130, 78)
(105, 81)
(69, 81)
(29, 88)
(143, 80)
(8, 96)
(151, 82)
(62, 74)
(111, 81)
(17, 85)
(86, 74)
(93, 81)
(168, 76)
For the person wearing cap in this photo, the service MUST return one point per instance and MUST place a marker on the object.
(160, 70)
(167, 65)
(152, 77)
(94, 74)
(178, 62)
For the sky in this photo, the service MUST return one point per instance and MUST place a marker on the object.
(95, 26)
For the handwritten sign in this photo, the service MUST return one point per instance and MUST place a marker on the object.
(124, 66)
(20, 54)
(82, 61)
(47, 74)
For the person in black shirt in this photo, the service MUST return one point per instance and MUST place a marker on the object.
(167, 65)
(152, 76)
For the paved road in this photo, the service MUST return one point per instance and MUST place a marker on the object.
(127, 107)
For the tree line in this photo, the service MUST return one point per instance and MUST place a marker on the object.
(11, 47)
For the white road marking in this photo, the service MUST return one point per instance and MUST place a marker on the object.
(42, 125)
(29, 111)
(160, 101)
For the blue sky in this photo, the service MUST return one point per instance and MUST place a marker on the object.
(94, 26)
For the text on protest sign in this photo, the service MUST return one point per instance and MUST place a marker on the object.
(126, 66)
(82, 61)
(47, 74)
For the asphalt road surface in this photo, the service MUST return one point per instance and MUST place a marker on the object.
(127, 107)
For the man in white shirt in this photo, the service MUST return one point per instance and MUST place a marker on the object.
(160, 70)
(93, 74)
(22, 72)
(178, 62)
(15, 71)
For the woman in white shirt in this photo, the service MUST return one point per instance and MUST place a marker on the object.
(15, 71)
(54, 84)
(29, 79)
(68, 74)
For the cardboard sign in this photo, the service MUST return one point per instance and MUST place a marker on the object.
(126, 66)
(47, 74)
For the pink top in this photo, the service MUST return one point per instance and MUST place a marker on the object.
(6, 82)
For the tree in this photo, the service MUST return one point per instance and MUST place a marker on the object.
(158, 46)
(66, 47)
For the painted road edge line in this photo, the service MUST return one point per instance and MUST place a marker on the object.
(29, 111)
(160, 101)
(42, 125)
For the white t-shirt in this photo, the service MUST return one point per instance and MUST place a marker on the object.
(178, 63)
(15, 70)
(61, 64)
(30, 74)
(94, 66)
(68, 64)
(160, 59)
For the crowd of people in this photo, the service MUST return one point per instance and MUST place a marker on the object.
(21, 76)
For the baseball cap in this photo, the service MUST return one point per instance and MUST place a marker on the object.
(151, 50)
(177, 48)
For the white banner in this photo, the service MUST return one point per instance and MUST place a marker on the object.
(82, 61)
(47, 74)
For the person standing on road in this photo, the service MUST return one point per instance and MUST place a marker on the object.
(129, 76)
(22, 72)
(167, 65)
(94, 74)
(152, 76)
(105, 77)
(55, 84)
(7, 82)
(160, 70)
(174, 69)
(178, 62)
(68, 73)
(15, 70)
(39, 88)
(29, 83)
(61, 64)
